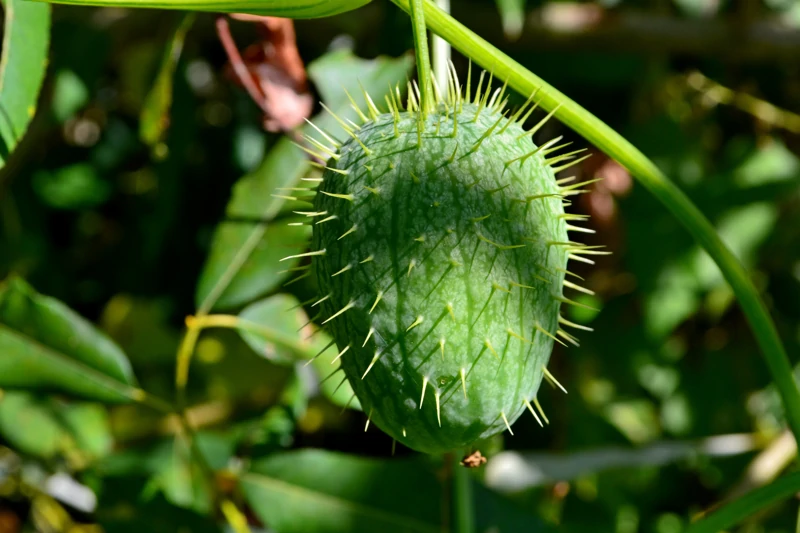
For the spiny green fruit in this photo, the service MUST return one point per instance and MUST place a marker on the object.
(440, 249)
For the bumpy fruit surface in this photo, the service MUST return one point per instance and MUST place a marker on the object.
(440, 248)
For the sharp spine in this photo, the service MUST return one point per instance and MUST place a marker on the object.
(541, 411)
(530, 408)
(307, 254)
(341, 311)
(371, 364)
(340, 354)
(508, 426)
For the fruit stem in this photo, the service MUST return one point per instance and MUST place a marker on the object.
(421, 53)
(464, 519)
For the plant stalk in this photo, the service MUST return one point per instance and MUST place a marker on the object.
(464, 517)
(649, 175)
(417, 12)
(441, 52)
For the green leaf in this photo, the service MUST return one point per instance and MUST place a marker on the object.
(172, 469)
(340, 72)
(278, 328)
(512, 13)
(154, 118)
(70, 94)
(314, 491)
(26, 40)
(44, 345)
(47, 428)
(296, 9)
(30, 426)
(72, 187)
(284, 317)
(258, 269)
(89, 426)
(244, 260)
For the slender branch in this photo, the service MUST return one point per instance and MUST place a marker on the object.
(618, 148)
(421, 53)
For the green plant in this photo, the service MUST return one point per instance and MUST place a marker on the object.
(44, 355)
(440, 248)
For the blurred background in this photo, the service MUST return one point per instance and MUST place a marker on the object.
(121, 202)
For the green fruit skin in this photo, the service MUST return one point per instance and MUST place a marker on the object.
(440, 233)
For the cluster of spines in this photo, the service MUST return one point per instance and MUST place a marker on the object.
(484, 98)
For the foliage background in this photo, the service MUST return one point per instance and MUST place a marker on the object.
(669, 410)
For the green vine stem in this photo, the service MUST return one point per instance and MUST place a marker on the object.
(757, 500)
(648, 174)
(421, 53)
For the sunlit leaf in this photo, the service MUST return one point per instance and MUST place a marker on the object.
(262, 269)
(44, 345)
(26, 40)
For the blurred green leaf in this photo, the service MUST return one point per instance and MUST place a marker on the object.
(340, 72)
(89, 426)
(232, 274)
(44, 345)
(70, 94)
(772, 163)
(249, 147)
(314, 491)
(743, 229)
(31, 426)
(179, 478)
(75, 186)
(23, 65)
(154, 118)
(699, 8)
(283, 314)
(636, 419)
(283, 334)
(512, 13)
(46, 428)
(142, 328)
(171, 470)
(261, 270)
